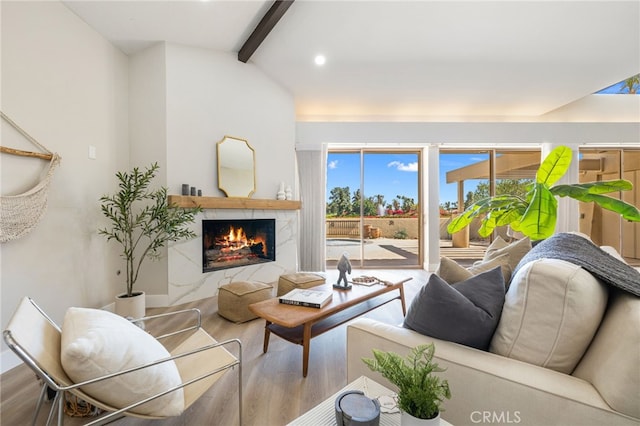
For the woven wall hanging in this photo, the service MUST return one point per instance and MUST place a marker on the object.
(19, 214)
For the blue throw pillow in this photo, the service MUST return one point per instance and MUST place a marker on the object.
(467, 312)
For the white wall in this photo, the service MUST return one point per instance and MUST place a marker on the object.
(208, 95)
(212, 94)
(67, 87)
(598, 108)
(310, 134)
(148, 137)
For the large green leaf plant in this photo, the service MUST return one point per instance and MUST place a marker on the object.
(535, 215)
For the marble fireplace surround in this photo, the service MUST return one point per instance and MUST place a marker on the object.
(187, 282)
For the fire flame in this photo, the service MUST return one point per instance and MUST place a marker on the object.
(237, 236)
(236, 239)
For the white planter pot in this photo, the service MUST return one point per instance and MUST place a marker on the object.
(408, 420)
(131, 307)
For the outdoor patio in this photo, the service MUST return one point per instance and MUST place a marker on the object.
(392, 252)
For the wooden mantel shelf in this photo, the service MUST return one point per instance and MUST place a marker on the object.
(233, 203)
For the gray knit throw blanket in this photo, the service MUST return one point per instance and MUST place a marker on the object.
(582, 252)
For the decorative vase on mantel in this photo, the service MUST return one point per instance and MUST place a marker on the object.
(407, 419)
(131, 307)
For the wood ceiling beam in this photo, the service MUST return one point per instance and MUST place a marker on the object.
(264, 27)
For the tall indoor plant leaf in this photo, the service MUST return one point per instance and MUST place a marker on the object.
(536, 217)
(554, 166)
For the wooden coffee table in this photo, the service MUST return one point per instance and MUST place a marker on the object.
(299, 324)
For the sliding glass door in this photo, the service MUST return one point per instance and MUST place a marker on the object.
(372, 208)
(603, 226)
(469, 176)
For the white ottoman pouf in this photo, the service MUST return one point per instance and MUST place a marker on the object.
(288, 282)
(234, 299)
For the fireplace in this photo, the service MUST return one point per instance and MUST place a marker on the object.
(231, 243)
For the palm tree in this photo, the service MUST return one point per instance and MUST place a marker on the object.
(631, 84)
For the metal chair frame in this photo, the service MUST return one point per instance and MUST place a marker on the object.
(115, 412)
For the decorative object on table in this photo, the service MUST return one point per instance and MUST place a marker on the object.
(20, 213)
(199, 192)
(344, 266)
(236, 167)
(535, 216)
(420, 391)
(142, 222)
(193, 191)
(307, 297)
(388, 403)
(281, 195)
(365, 280)
(185, 189)
(288, 193)
(353, 408)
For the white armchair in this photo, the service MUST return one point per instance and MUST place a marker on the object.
(200, 361)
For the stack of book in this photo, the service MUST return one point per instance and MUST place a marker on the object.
(307, 297)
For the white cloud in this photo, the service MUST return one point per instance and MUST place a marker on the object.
(411, 167)
(332, 164)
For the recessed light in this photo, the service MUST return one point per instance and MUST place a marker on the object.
(320, 60)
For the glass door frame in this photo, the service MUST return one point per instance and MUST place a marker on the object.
(361, 263)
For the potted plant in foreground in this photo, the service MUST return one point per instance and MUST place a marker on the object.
(142, 222)
(535, 216)
(420, 391)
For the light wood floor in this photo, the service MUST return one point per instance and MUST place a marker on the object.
(274, 391)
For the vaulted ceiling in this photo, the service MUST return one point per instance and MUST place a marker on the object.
(403, 59)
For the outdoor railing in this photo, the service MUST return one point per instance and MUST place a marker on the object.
(343, 227)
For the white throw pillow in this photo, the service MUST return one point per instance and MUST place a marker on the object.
(97, 342)
(551, 312)
(517, 250)
(450, 271)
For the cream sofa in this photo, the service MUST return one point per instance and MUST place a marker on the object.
(603, 389)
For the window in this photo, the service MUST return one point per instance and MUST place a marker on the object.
(372, 208)
(469, 176)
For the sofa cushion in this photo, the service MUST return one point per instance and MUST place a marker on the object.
(450, 271)
(516, 250)
(612, 362)
(97, 342)
(466, 312)
(551, 312)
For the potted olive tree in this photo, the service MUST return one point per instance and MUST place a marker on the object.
(420, 391)
(142, 222)
(535, 215)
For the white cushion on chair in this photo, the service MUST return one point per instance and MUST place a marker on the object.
(97, 342)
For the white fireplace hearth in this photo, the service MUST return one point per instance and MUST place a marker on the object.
(188, 283)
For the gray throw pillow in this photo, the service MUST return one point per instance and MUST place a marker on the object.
(467, 312)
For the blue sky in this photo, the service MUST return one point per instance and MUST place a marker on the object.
(614, 89)
(387, 174)
(448, 162)
(393, 174)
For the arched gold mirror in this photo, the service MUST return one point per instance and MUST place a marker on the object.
(236, 167)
